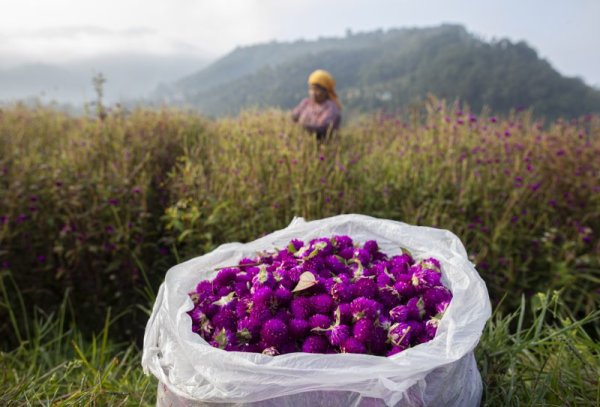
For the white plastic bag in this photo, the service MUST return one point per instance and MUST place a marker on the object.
(441, 372)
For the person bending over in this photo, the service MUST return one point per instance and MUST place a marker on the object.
(320, 112)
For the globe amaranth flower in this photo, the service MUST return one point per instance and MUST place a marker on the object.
(315, 344)
(436, 299)
(399, 334)
(321, 303)
(225, 277)
(301, 307)
(274, 332)
(362, 307)
(365, 287)
(357, 300)
(363, 330)
(320, 321)
(338, 334)
(342, 292)
(353, 345)
(298, 328)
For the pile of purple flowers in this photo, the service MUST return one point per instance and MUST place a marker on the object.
(327, 296)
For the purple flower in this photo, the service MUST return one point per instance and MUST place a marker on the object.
(336, 264)
(436, 296)
(389, 297)
(371, 246)
(315, 344)
(365, 308)
(363, 330)
(425, 278)
(21, 218)
(378, 343)
(346, 253)
(319, 321)
(338, 334)
(274, 332)
(300, 307)
(113, 202)
(345, 311)
(341, 242)
(283, 296)
(321, 303)
(264, 297)
(353, 345)
(404, 288)
(225, 277)
(363, 256)
(396, 349)
(399, 334)
(226, 319)
(260, 314)
(365, 287)
(401, 313)
(296, 244)
(342, 292)
(298, 328)
(431, 327)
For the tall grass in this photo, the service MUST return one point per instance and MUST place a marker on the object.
(97, 210)
(57, 364)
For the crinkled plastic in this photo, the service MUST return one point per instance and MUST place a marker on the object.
(441, 372)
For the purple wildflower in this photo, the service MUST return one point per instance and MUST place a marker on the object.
(315, 344)
(353, 345)
(321, 304)
(298, 328)
(274, 332)
(338, 334)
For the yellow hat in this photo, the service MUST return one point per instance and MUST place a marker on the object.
(325, 80)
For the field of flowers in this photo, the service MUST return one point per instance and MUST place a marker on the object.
(93, 213)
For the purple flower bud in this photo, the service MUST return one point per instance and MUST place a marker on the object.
(345, 313)
(283, 296)
(342, 292)
(353, 345)
(274, 332)
(363, 330)
(342, 242)
(320, 321)
(336, 264)
(298, 328)
(365, 308)
(300, 307)
(399, 334)
(365, 287)
(338, 334)
(321, 304)
(363, 256)
(371, 246)
(225, 277)
(378, 344)
(400, 313)
(315, 344)
(225, 319)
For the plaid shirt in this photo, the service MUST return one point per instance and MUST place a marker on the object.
(317, 117)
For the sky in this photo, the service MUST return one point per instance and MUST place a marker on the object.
(565, 32)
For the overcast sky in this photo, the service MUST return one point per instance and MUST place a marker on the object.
(565, 32)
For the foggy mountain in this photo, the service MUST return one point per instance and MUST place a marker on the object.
(387, 70)
(129, 77)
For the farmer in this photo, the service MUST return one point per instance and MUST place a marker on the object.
(319, 113)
